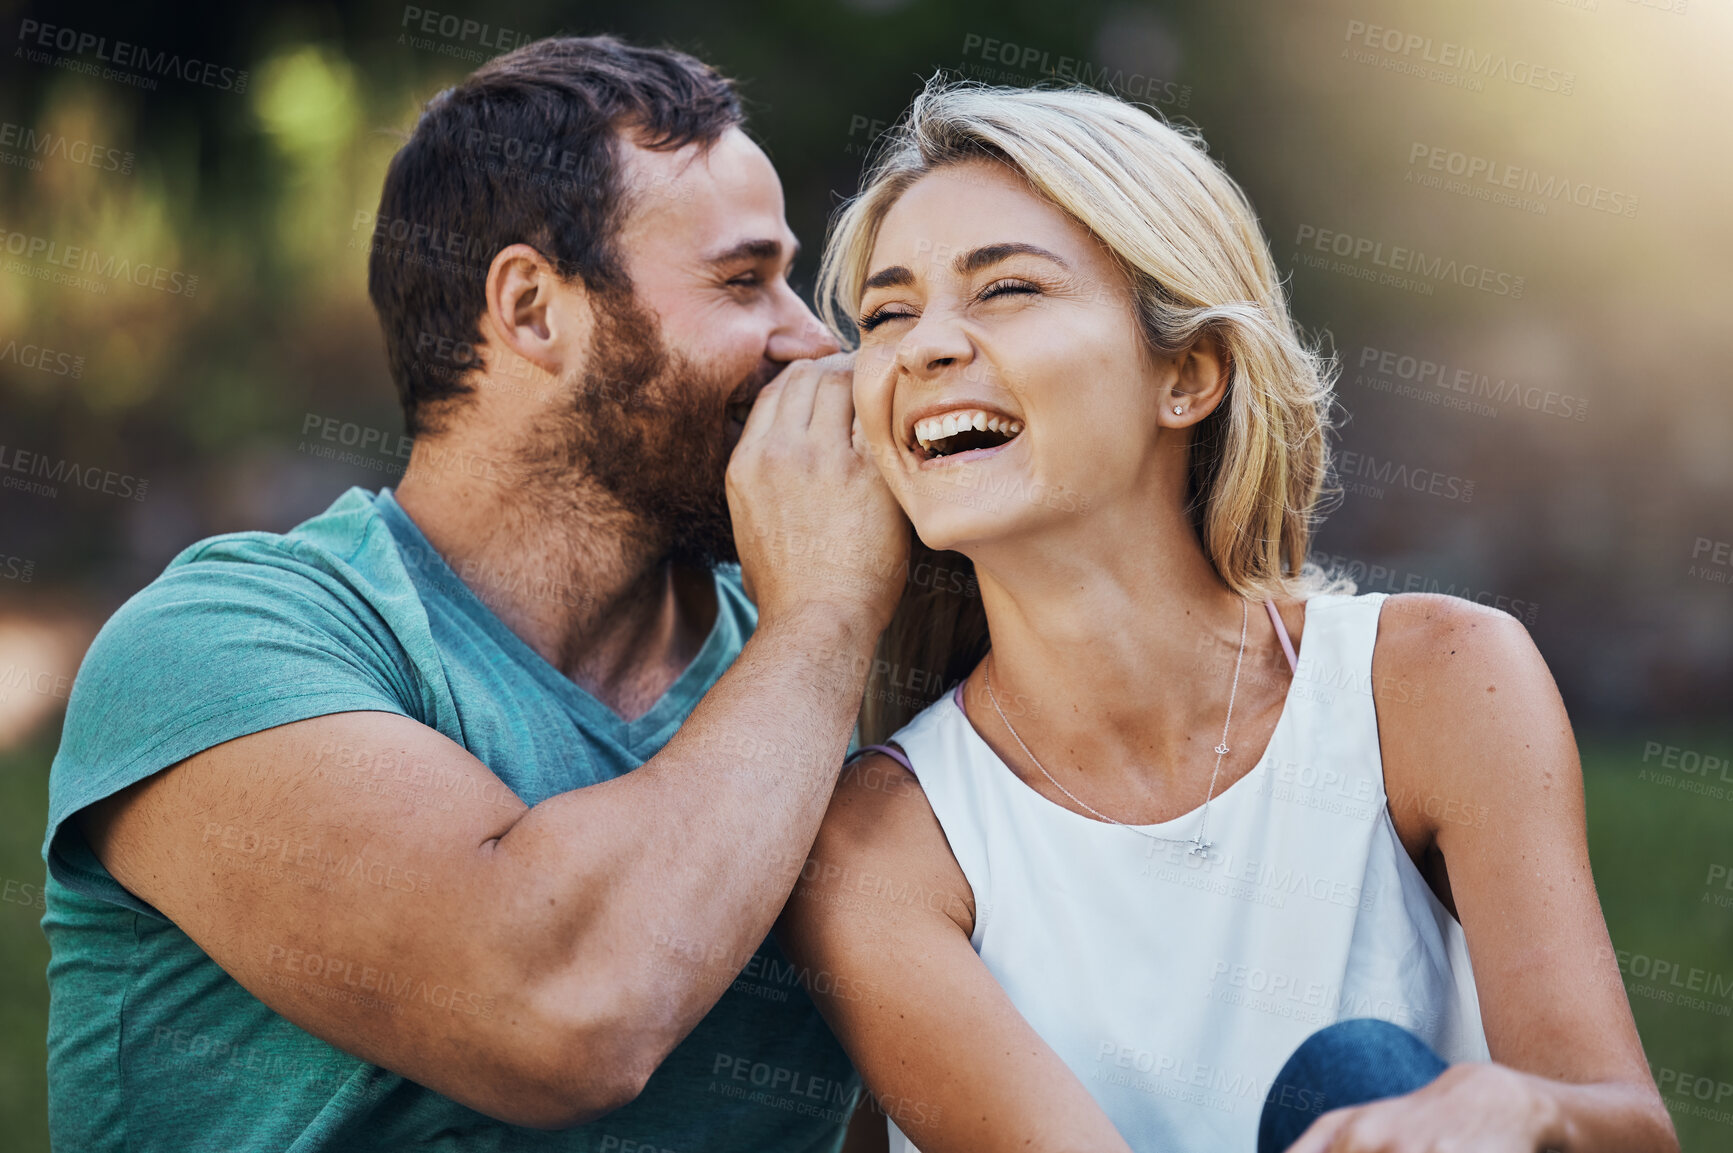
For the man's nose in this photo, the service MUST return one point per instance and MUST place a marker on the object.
(800, 336)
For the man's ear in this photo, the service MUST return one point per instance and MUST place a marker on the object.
(533, 313)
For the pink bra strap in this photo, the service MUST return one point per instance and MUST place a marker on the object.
(890, 751)
(1282, 635)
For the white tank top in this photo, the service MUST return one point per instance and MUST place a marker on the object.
(1176, 987)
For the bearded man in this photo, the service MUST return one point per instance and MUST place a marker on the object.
(458, 816)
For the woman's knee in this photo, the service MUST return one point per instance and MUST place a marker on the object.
(1348, 1063)
(1370, 1041)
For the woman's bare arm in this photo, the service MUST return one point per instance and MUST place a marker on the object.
(1484, 778)
(885, 926)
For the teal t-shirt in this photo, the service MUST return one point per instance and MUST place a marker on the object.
(152, 1046)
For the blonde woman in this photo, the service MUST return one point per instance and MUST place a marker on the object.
(1189, 802)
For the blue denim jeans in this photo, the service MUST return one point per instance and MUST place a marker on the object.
(1348, 1063)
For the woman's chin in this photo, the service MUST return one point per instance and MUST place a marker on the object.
(953, 510)
(953, 527)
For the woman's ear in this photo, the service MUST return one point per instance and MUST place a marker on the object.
(1200, 381)
(534, 313)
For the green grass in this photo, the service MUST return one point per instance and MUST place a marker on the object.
(23, 951)
(1652, 848)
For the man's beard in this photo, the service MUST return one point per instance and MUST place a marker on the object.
(649, 428)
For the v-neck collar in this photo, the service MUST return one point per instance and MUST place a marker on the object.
(650, 730)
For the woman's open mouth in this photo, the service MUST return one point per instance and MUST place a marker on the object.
(960, 431)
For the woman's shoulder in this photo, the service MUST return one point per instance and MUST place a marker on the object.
(881, 835)
(1446, 639)
(1454, 657)
(878, 797)
(1478, 708)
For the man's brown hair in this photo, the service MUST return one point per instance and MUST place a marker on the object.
(525, 150)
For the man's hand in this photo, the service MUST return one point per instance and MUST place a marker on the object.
(813, 519)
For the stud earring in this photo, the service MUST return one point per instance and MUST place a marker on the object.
(1178, 411)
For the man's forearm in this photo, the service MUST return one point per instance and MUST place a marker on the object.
(663, 882)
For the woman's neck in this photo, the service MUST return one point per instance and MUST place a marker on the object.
(1114, 652)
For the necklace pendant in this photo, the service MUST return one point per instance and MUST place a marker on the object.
(1221, 750)
(1201, 847)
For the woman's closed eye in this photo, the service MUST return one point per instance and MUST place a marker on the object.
(1005, 286)
(1008, 286)
(881, 314)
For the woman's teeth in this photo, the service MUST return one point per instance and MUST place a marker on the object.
(934, 430)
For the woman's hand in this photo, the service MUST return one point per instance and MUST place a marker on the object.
(1471, 1108)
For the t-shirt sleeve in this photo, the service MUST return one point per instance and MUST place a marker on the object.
(214, 649)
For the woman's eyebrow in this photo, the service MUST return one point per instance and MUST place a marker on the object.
(897, 276)
(978, 258)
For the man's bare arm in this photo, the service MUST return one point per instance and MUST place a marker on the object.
(377, 885)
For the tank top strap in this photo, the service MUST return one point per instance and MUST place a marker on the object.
(1331, 718)
(965, 791)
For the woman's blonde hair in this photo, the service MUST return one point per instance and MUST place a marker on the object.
(1198, 267)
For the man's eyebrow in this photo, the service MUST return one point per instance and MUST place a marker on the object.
(978, 258)
(754, 250)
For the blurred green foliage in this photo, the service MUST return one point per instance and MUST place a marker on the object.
(262, 196)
